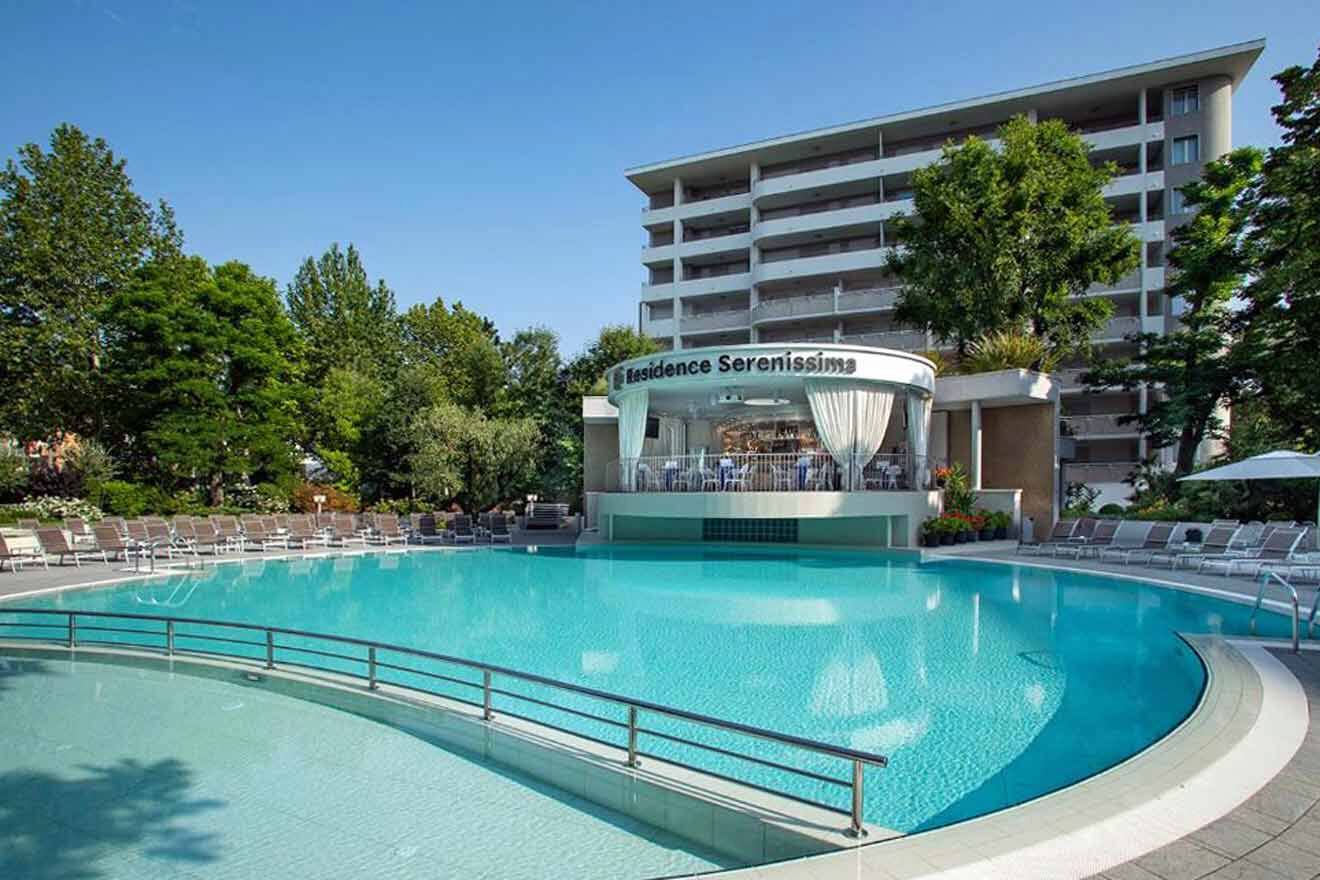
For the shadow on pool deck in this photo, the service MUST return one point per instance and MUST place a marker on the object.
(52, 828)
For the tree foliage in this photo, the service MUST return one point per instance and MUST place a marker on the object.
(1282, 313)
(1196, 366)
(73, 233)
(1009, 237)
(466, 456)
(200, 374)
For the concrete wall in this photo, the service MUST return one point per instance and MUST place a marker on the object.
(1018, 453)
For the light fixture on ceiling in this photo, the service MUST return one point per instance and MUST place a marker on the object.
(765, 401)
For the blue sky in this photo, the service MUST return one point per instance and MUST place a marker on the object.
(476, 151)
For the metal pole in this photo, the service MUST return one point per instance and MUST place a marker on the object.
(169, 637)
(632, 737)
(270, 649)
(1296, 624)
(371, 667)
(73, 632)
(486, 713)
(855, 828)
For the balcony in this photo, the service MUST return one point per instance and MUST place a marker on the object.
(1155, 278)
(794, 307)
(1097, 471)
(662, 327)
(1096, 425)
(734, 319)
(850, 172)
(835, 263)
(1121, 133)
(872, 298)
(820, 221)
(1130, 281)
(904, 340)
(1130, 184)
(716, 244)
(723, 204)
(1117, 328)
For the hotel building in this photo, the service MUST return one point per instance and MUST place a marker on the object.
(784, 240)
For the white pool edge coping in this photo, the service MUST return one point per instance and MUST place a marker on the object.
(1107, 822)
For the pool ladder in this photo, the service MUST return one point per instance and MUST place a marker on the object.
(1266, 577)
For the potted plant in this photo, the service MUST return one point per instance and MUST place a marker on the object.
(1000, 520)
(930, 531)
(984, 530)
(948, 531)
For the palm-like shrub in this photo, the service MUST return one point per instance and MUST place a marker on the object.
(1008, 350)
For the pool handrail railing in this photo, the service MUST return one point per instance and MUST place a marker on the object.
(70, 638)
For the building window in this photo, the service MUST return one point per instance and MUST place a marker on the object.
(1186, 149)
(1185, 100)
(1177, 202)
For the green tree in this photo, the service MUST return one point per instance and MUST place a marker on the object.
(345, 321)
(1283, 299)
(465, 456)
(1011, 238)
(1196, 367)
(199, 365)
(463, 345)
(73, 233)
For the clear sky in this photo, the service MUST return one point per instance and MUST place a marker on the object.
(476, 151)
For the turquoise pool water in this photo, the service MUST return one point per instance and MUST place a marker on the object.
(986, 685)
(115, 772)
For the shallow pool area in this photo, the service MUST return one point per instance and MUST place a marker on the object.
(986, 685)
(112, 771)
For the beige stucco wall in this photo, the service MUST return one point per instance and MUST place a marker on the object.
(1018, 453)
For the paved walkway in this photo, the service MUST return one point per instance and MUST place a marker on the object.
(1275, 835)
(1240, 587)
(33, 577)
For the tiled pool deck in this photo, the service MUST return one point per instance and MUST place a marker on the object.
(1273, 836)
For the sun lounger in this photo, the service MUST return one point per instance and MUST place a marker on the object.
(1157, 539)
(1215, 545)
(160, 537)
(499, 529)
(111, 544)
(386, 530)
(16, 556)
(1102, 537)
(426, 531)
(545, 516)
(460, 531)
(1278, 549)
(1063, 530)
(53, 543)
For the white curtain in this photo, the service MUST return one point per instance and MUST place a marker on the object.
(851, 419)
(633, 406)
(918, 419)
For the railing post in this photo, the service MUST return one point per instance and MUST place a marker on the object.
(371, 667)
(486, 712)
(169, 637)
(632, 737)
(855, 828)
(270, 649)
(73, 631)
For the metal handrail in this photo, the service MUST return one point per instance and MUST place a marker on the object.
(1265, 578)
(372, 676)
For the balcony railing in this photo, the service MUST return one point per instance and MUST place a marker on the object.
(1117, 328)
(868, 298)
(727, 320)
(906, 340)
(1097, 471)
(1095, 423)
(826, 303)
(767, 472)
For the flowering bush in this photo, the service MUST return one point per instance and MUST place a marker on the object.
(52, 508)
(304, 498)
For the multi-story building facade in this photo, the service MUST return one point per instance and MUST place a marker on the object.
(785, 240)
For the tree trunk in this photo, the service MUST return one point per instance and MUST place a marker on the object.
(217, 490)
(1188, 442)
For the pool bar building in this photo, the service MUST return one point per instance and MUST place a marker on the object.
(814, 443)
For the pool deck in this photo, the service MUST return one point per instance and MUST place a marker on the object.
(1273, 836)
(33, 578)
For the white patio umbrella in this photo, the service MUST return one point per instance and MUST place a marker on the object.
(1282, 464)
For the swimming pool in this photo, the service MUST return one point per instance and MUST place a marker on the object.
(117, 771)
(986, 685)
